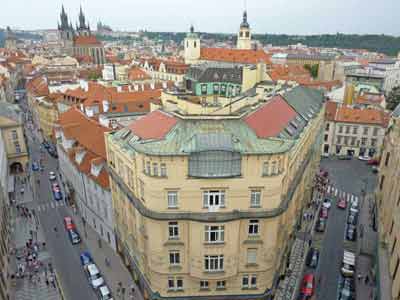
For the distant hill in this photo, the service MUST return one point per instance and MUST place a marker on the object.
(386, 44)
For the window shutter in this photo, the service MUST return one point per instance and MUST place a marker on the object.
(222, 199)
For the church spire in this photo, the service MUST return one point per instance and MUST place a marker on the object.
(82, 21)
(244, 23)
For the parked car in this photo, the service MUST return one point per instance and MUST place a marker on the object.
(321, 224)
(308, 285)
(364, 158)
(86, 258)
(74, 236)
(346, 291)
(52, 151)
(327, 203)
(94, 276)
(348, 264)
(342, 203)
(351, 233)
(46, 145)
(352, 219)
(373, 162)
(312, 258)
(52, 176)
(323, 213)
(104, 293)
(375, 169)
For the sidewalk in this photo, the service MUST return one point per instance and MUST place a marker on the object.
(24, 229)
(367, 239)
(116, 272)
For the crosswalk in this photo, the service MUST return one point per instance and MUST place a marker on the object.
(335, 192)
(50, 205)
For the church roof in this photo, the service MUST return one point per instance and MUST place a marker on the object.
(243, 56)
(86, 40)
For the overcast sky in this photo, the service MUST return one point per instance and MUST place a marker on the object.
(265, 16)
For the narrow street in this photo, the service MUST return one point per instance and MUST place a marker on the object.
(50, 213)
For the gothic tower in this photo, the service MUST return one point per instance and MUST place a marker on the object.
(66, 33)
(192, 47)
(244, 35)
(82, 29)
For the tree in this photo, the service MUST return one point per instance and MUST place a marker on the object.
(312, 69)
(393, 99)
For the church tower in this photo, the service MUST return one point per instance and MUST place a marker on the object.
(244, 35)
(83, 29)
(66, 33)
(192, 47)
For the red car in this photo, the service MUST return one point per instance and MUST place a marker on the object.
(307, 286)
(69, 224)
(342, 203)
(323, 213)
(373, 162)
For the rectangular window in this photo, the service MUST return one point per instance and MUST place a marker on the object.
(347, 129)
(373, 142)
(251, 256)
(375, 132)
(174, 257)
(355, 129)
(327, 127)
(221, 284)
(204, 284)
(254, 227)
(155, 169)
(249, 281)
(255, 198)
(173, 230)
(214, 234)
(213, 263)
(265, 170)
(204, 89)
(14, 134)
(366, 129)
(340, 129)
(172, 199)
(175, 284)
(17, 147)
(216, 88)
(339, 139)
(353, 141)
(148, 168)
(363, 141)
(163, 170)
(325, 138)
(346, 140)
(213, 199)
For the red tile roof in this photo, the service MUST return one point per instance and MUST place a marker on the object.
(235, 55)
(154, 126)
(271, 118)
(86, 40)
(38, 86)
(135, 73)
(330, 110)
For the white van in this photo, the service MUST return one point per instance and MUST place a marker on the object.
(104, 293)
(94, 276)
(348, 264)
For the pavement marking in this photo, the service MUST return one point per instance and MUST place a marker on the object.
(52, 205)
(348, 197)
(352, 198)
(329, 189)
(336, 192)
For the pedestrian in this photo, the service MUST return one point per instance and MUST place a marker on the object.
(366, 279)
(47, 281)
(359, 277)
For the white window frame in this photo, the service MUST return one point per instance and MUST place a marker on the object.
(254, 227)
(175, 286)
(172, 199)
(255, 198)
(163, 170)
(174, 258)
(265, 171)
(173, 230)
(250, 284)
(204, 285)
(214, 263)
(148, 168)
(214, 199)
(221, 285)
(155, 169)
(218, 232)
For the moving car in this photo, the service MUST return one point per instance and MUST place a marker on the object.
(312, 258)
(74, 236)
(94, 276)
(56, 191)
(52, 176)
(342, 203)
(321, 224)
(307, 285)
(68, 223)
(327, 203)
(364, 158)
(86, 258)
(35, 166)
(104, 293)
(351, 233)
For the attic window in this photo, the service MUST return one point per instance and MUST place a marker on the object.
(290, 131)
(294, 124)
